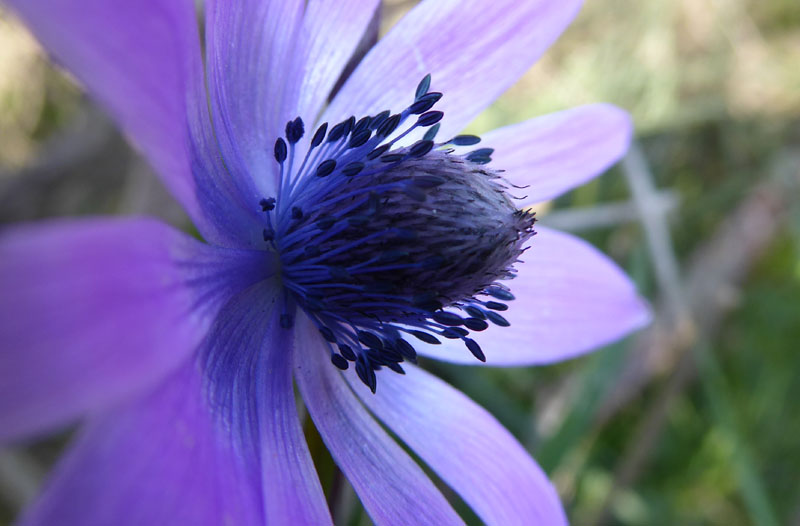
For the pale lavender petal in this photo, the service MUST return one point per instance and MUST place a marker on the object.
(156, 460)
(474, 49)
(253, 84)
(465, 445)
(392, 487)
(94, 311)
(335, 28)
(571, 299)
(247, 364)
(552, 154)
(139, 60)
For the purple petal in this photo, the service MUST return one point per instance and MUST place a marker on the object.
(555, 153)
(139, 60)
(465, 445)
(94, 311)
(156, 460)
(251, 46)
(570, 299)
(474, 50)
(392, 487)
(335, 29)
(248, 372)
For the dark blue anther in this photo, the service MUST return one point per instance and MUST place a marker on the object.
(406, 349)
(377, 152)
(396, 367)
(475, 312)
(392, 157)
(347, 352)
(431, 133)
(370, 340)
(267, 204)
(319, 135)
(362, 124)
(359, 138)
(475, 324)
(294, 130)
(465, 140)
(425, 337)
(499, 293)
(480, 156)
(327, 334)
(297, 213)
(447, 318)
(366, 374)
(349, 124)
(339, 362)
(454, 333)
(326, 167)
(389, 125)
(268, 234)
(430, 118)
(420, 148)
(423, 86)
(475, 349)
(280, 150)
(286, 321)
(425, 103)
(379, 119)
(497, 319)
(428, 181)
(352, 169)
(495, 305)
(337, 132)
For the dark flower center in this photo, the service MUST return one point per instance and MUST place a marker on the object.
(379, 243)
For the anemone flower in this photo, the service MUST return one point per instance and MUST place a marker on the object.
(331, 257)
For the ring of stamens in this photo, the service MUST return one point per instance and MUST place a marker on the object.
(381, 243)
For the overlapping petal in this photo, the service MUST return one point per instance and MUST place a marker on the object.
(156, 460)
(333, 30)
(552, 154)
(570, 299)
(247, 364)
(252, 85)
(474, 49)
(93, 311)
(394, 490)
(139, 60)
(466, 446)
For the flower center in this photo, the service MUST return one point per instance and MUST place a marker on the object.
(379, 243)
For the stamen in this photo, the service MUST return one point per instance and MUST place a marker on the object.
(380, 242)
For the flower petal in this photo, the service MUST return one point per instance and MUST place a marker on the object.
(465, 445)
(334, 29)
(555, 153)
(474, 50)
(570, 299)
(139, 60)
(253, 85)
(392, 487)
(93, 311)
(156, 460)
(248, 375)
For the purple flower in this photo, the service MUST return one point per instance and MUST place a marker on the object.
(329, 260)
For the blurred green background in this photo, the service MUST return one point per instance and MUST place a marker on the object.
(693, 421)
